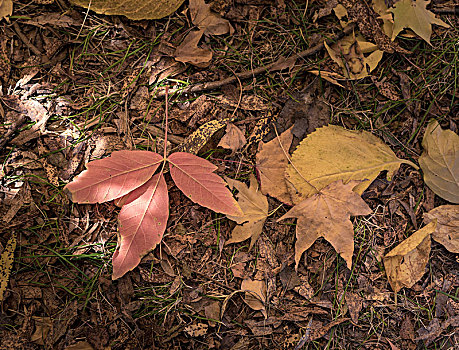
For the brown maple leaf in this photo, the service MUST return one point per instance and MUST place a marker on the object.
(327, 214)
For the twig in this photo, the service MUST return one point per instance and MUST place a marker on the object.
(249, 74)
(15, 126)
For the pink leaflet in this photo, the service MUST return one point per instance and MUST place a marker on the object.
(142, 223)
(195, 178)
(113, 177)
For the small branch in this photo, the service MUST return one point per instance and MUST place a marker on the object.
(249, 74)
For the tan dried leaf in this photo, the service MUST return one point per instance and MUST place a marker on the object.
(133, 9)
(405, 264)
(271, 164)
(255, 208)
(440, 161)
(196, 330)
(414, 15)
(6, 263)
(208, 21)
(6, 8)
(447, 231)
(327, 214)
(333, 153)
(189, 52)
(255, 294)
(234, 139)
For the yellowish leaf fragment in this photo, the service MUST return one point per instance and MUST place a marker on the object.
(381, 9)
(447, 231)
(405, 264)
(133, 9)
(440, 161)
(255, 208)
(332, 153)
(6, 263)
(327, 214)
(255, 294)
(414, 15)
(6, 8)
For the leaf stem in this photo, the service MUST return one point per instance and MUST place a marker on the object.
(167, 120)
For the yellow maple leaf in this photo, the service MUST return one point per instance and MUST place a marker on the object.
(414, 15)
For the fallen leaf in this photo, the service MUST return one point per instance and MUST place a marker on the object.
(234, 139)
(199, 138)
(195, 178)
(196, 330)
(6, 8)
(208, 21)
(333, 153)
(348, 53)
(447, 230)
(81, 345)
(435, 328)
(405, 264)
(255, 294)
(189, 52)
(331, 77)
(126, 176)
(271, 164)
(381, 9)
(354, 303)
(6, 263)
(113, 177)
(133, 9)
(142, 222)
(327, 214)
(440, 161)
(414, 15)
(54, 19)
(254, 205)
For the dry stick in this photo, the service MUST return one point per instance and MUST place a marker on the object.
(248, 74)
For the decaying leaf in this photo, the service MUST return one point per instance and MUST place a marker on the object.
(127, 177)
(6, 8)
(405, 264)
(199, 138)
(440, 161)
(189, 52)
(333, 153)
(271, 164)
(196, 330)
(255, 294)
(133, 9)
(327, 214)
(414, 15)
(234, 139)
(208, 21)
(349, 52)
(254, 205)
(6, 263)
(331, 77)
(447, 230)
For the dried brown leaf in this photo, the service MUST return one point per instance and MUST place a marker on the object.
(405, 264)
(447, 230)
(327, 214)
(255, 294)
(189, 52)
(208, 21)
(6, 263)
(6, 8)
(234, 139)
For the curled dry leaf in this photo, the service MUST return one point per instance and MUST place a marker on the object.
(254, 205)
(6, 263)
(447, 231)
(271, 164)
(255, 294)
(405, 264)
(414, 15)
(208, 21)
(327, 214)
(440, 161)
(332, 153)
(234, 138)
(189, 52)
(133, 9)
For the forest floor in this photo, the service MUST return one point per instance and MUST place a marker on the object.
(76, 86)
